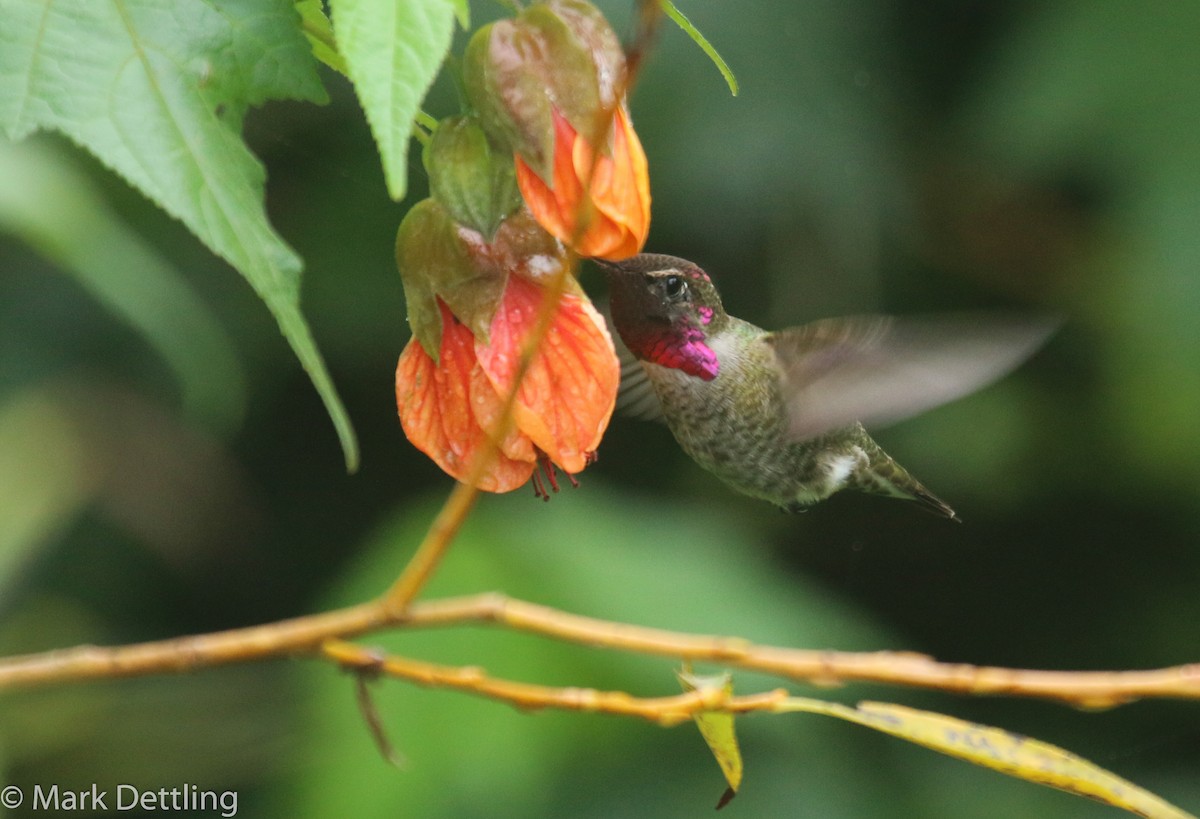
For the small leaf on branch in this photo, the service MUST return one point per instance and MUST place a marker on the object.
(717, 729)
(699, 39)
(1000, 750)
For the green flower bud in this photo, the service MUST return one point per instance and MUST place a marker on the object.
(438, 258)
(473, 181)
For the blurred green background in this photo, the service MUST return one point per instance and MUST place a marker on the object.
(166, 468)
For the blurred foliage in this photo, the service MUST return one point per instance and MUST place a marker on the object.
(159, 96)
(899, 156)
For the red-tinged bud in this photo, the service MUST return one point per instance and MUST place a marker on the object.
(557, 54)
(550, 83)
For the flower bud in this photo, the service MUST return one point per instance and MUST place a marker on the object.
(470, 178)
(599, 205)
(435, 260)
(560, 54)
(550, 84)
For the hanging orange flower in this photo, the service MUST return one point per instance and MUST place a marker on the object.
(547, 119)
(450, 408)
(597, 204)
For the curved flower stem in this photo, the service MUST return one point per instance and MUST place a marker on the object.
(442, 531)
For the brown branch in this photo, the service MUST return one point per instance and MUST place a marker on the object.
(1085, 689)
(665, 711)
(1088, 689)
(180, 654)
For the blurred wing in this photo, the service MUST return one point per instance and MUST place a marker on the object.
(636, 396)
(879, 369)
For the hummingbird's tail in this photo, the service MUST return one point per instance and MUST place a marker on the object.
(886, 477)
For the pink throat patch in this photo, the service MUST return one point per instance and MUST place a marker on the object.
(689, 354)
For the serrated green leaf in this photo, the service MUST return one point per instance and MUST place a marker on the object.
(1020, 756)
(393, 50)
(319, 32)
(462, 11)
(157, 93)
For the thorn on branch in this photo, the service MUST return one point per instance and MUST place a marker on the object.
(364, 674)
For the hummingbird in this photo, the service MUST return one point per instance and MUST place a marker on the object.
(779, 415)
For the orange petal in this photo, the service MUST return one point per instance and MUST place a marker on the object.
(487, 406)
(616, 202)
(539, 199)
(620, 191)
(555, 204)
(625, 197)
(434, 400)
(567, 395)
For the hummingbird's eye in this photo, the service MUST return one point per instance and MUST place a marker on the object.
(675, 287)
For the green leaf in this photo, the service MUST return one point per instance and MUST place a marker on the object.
(319, 31)
(393, 50)
(462, 11)
(699, 39)
(157, 93)
(1000, 750)
(717, 728)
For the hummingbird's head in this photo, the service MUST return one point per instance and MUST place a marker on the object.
(664, 309)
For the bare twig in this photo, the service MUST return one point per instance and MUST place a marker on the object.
(528, 696)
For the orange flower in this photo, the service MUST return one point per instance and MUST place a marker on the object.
(609, 194)
(449, 409)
